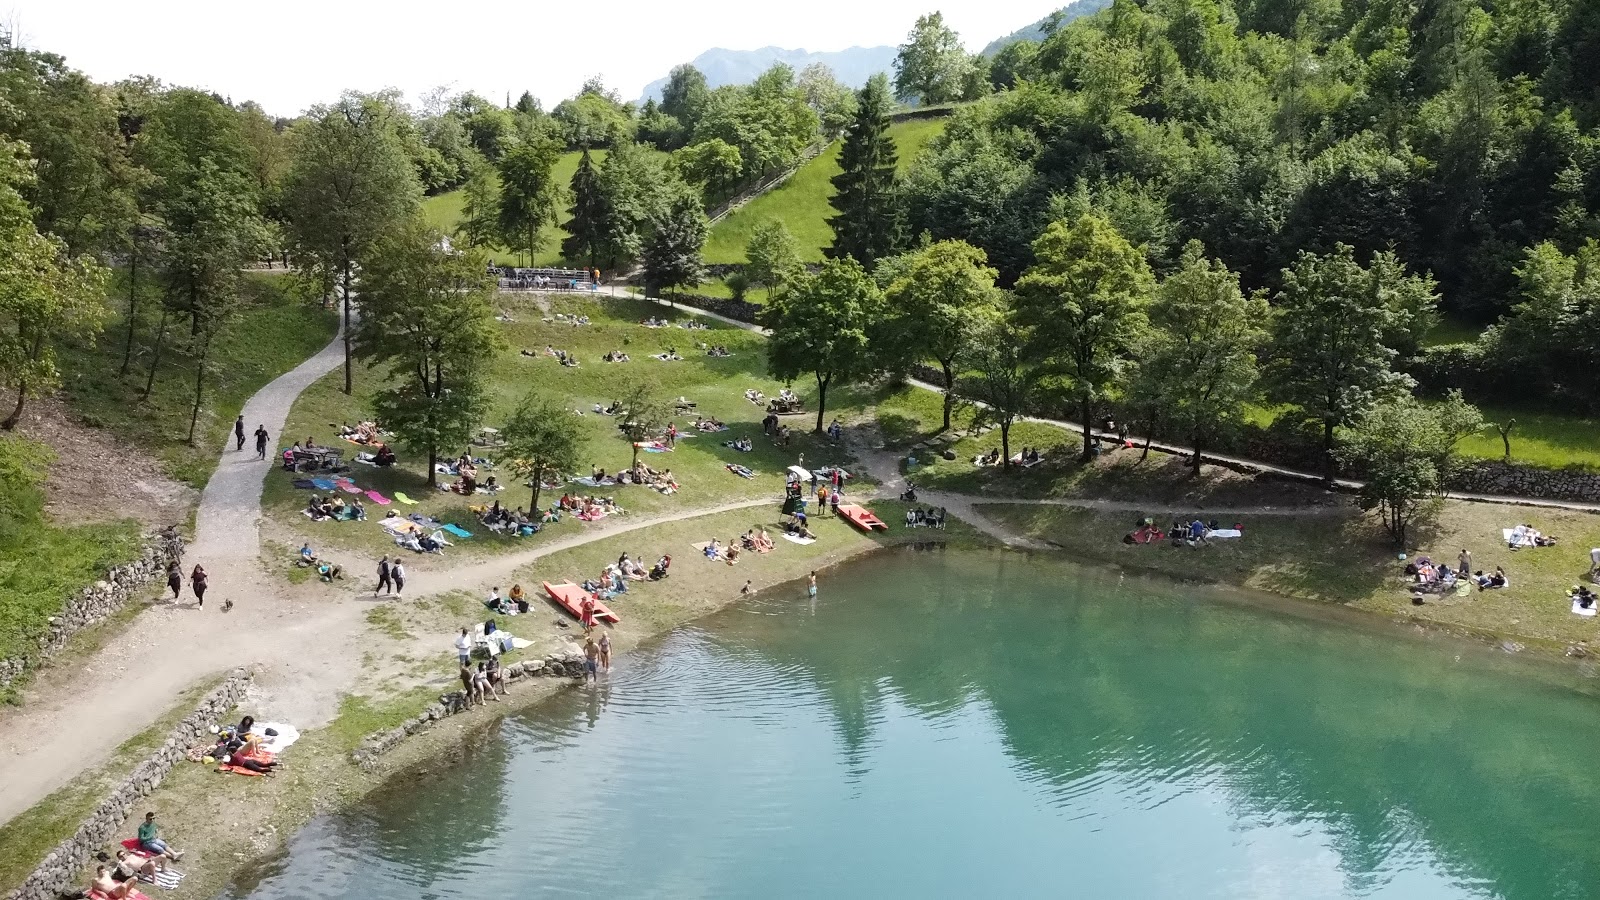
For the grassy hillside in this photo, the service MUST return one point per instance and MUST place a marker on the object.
(802, 202)
(444, 211)
(276, 332)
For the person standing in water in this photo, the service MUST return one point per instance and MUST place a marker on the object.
(591, 657)
(605, 652)
(811, 584)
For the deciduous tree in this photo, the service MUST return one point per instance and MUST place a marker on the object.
(772, 256)
(1083, 303)
(529, 195)
(1004, 384)
(1199, 363)
(1400, 449)
(820, 327)
(543, 438)
(1330, 323)
(943, 296)
(350, 184)
(931, 66)
(426, 317)
(672, 252)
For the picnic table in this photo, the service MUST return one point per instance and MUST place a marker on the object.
(309, 459)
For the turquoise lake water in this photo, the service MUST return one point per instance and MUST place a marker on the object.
(995, 725)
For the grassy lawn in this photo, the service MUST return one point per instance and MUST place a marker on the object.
(27, 838)
(698, 464)
(802, 202)
(1347, 559)
(41, 564)
(1547, 440)
(276, 332)
(1451, 331)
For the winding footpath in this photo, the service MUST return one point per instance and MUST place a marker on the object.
(306, 649)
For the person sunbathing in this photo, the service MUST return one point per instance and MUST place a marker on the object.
(104, 884)
(307, 557)
(130, 867)
(764, 540)
(731, 551)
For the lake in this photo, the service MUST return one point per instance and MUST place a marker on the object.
(973, 724)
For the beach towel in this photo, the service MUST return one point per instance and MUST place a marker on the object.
(588, 481)
(226, 769)
(1580, 611)
(131, 895)
(740, 471)
(377, 498)
(1515, 538)
(404, 499)
(349, 487)
(323, 484)
(366, 462)
(399, 526)
(166, 879)
(595, 516)
(796, 539)
(458, 531)
(303, 484)
(425, 521)
(652, 446)
(1224, 533)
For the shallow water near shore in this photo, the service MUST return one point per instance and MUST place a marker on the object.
(988, 724)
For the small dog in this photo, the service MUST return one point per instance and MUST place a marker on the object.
(227, 604)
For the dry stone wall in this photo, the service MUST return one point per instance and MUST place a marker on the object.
(564, 665)
(1506, 480)
(64, 865)
(98, 601)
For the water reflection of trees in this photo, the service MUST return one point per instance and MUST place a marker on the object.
(1380, 741)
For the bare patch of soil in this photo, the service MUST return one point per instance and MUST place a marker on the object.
(94, 478)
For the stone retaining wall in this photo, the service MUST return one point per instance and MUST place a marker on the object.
(1520, 481)
(97, 602)
(64, 865)
(566, 665)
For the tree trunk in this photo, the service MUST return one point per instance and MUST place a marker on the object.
(635, 463)
(1327, 451)
(433, 461)
(155, 357)
(1195, 460)
(1086, 411)
(822, 400)
(533, 503)
(1005, 446)
(1145, 454)
(345, 288)
(949, 389)
(16, 413)
(199, 389)
(133, 309)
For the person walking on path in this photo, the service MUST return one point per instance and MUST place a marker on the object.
(464, 649)
(261, 442)
(385, 583)
(174, 580)
(238, 432)
(605, 651)
(398, 573)
(197, 583)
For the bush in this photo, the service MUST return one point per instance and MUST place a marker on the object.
(738, 284)
(1439, 370)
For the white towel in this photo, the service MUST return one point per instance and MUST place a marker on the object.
(1580, 611)
(286, 735)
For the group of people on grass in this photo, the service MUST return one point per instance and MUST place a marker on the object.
(336, 509)
(755, 540)
(1430, 577)
(917, 517)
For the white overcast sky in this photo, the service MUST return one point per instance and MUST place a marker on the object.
(289, 54)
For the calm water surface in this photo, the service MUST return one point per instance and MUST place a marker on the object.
(977, 725)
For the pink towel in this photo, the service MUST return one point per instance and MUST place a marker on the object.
(349, 487)
(377, 498)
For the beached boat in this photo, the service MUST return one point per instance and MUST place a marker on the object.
(570, 598)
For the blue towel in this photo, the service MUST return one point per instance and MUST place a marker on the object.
(458, 531)
(323, 484)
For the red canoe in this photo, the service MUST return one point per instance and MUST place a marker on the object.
(861, 517)
(570, 598)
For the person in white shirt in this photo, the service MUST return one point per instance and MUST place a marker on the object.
(464, 647)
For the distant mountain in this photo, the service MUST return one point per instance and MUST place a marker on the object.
(1035, 32)
(852, 67)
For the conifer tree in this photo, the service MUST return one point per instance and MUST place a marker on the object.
(586, 230)
(867, 227)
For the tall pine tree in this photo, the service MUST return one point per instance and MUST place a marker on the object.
(868, 226)
(586, 230)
